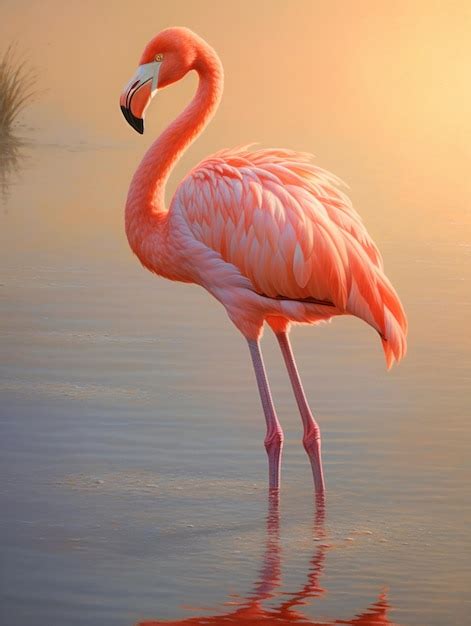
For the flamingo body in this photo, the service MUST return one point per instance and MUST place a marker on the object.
(269, 234)
(284, 227)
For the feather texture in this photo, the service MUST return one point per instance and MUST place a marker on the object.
(289, 228)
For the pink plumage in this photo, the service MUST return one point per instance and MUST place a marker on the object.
(288, 228)
(269, 234)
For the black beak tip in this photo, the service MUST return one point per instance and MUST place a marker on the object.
(136, 122)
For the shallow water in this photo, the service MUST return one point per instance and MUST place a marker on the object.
(133, 474)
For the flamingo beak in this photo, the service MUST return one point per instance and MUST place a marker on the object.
(138, 93)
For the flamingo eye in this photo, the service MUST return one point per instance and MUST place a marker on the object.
(159, 57)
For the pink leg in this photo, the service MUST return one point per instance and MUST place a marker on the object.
(274, 437)
(312, 433)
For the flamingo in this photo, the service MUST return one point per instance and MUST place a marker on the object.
(265, 231)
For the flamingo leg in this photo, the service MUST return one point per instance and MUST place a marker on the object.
(312, 433)
(274, 437)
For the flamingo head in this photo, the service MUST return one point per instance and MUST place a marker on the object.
(166, 59)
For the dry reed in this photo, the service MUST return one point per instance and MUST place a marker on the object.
(17, 90)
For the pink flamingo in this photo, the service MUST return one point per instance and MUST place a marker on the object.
(267, 233)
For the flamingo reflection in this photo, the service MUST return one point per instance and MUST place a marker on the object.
(251, 612)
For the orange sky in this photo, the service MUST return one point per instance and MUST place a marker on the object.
(379, 91)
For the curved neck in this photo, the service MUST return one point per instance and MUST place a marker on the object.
(146, 198)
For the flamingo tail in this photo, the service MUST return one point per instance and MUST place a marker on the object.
(393, 331)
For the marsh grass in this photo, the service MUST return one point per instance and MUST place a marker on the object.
(17, 90)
